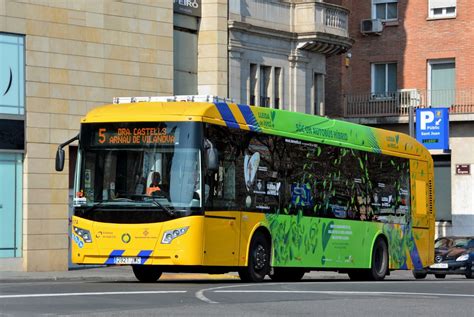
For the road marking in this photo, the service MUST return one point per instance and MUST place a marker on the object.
(200, 294)
(346, 293)
(88, 294)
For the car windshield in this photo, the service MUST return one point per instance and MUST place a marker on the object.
(138, 165)
(443, 243)
(462, 243)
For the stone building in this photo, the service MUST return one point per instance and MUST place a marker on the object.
(414, 54)
(61, 58)
(278, 51)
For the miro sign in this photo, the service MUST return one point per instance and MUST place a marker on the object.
(432, 128)
(188, 7)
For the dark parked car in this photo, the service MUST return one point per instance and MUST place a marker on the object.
(453, 255)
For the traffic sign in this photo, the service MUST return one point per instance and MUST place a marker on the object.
(432, 128)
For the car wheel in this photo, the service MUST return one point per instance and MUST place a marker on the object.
(419, 275)
(258, 260)
(146, 273)
(469, 274)
(287, 275)
(440, 275)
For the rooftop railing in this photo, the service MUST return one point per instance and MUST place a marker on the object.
(398, 103)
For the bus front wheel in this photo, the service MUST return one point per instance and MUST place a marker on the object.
(258, 260)
(146, 273)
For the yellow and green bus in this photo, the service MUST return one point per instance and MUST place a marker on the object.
(245, 189)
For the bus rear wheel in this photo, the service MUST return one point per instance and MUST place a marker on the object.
(146, 273)
(287, 275)
(379, 264)
(258, 259)
(379, 267)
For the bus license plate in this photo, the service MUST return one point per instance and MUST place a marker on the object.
(127, 260)
(439, 266)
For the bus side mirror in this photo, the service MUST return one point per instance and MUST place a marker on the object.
(212, 156)
(212, 159)
(59, 159)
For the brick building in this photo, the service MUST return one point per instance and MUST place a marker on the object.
(413, 53)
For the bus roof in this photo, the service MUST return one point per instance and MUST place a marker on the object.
(278, 122)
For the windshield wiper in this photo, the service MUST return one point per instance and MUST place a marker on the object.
(168, 210)
(95, 205)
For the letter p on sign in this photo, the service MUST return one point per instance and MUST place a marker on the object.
(425, 118)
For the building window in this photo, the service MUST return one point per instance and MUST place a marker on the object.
(278, 88)
(185, 48)
(265, 86)
(442, 82)
(12, 74)
(385, 9)
(442, 8)
(253, 84)
(384, 79)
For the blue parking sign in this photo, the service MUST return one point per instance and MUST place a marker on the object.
(432, 128)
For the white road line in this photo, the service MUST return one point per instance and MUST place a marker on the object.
(200, 294)
(88, 294)
(346, 293)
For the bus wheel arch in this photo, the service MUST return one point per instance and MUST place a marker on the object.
(258, 256)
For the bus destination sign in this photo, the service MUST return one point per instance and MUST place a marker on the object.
(134, 136)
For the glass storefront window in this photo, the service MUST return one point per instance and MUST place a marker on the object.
(12, 74)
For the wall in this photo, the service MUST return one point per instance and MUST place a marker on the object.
(79, 54)
(462, 186)
(212, 49)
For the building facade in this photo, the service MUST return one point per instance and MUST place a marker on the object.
(60, 59)
(278, 51)
(415, 54)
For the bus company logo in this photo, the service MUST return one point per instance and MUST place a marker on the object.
(126, 238)
(267, 119)
(392, 141)
(105, 235)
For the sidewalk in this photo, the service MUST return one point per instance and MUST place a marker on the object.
(106, 273)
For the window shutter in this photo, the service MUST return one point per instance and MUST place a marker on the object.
(383, 1)
(434, 4)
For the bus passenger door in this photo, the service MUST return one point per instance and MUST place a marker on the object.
(221, 238)
(422, 213)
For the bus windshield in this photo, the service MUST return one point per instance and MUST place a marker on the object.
(140, 165)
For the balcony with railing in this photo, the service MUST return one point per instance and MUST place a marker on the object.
(397, 104)
(317, 26)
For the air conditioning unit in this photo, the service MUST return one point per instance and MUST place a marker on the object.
(409, 97)
(374, 26)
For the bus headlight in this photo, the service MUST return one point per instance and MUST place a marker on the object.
(170, 235)
(84, 234)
